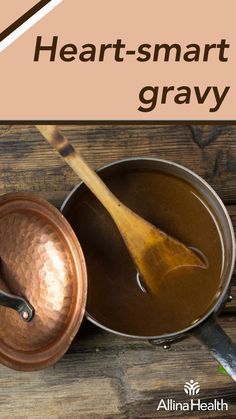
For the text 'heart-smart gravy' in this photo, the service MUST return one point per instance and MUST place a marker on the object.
(115, 295)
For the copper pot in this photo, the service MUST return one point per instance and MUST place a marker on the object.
(43, 283)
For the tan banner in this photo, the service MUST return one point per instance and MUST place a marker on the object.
(126, 60)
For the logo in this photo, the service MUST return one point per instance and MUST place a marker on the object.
(191, 388)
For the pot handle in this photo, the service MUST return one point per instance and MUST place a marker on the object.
(219, 343)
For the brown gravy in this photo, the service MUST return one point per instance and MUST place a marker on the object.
(115, 297)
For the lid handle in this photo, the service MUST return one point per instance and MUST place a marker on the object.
(15, 302)
(18, 304)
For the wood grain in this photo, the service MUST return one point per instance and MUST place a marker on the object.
(25, 157)
(103, 375)
(106, 376)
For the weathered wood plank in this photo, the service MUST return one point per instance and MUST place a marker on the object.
(106, 376)
(28, 163)
(103, 375)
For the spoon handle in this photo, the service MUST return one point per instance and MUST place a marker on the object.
(62, 145)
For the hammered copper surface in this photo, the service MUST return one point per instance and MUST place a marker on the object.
(40, 260)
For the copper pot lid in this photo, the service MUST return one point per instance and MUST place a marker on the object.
(42, 278)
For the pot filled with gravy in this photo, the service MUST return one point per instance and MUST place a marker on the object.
(183, 205)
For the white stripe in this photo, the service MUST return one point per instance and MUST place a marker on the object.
(28, 24)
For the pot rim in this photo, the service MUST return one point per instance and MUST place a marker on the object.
(226, 286)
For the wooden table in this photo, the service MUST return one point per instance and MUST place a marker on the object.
(106, 376)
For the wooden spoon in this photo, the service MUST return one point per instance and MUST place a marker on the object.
(154, 252)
